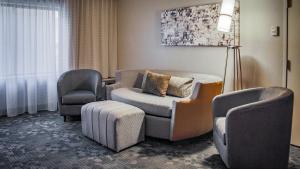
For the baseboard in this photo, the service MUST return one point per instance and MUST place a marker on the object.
(295, 146)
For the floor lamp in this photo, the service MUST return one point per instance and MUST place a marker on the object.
(224, 24)
(237, 68)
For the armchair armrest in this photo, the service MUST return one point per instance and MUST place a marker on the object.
(62, 88)
(110, 88)
(222, 103)
(192, 117)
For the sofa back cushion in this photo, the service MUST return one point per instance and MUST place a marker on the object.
(155, 83)
(180, 86)
(127, 78)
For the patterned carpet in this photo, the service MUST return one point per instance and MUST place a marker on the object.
(45, 141)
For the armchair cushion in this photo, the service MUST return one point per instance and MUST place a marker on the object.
(78, 97)
(151, 104)
(220, 124)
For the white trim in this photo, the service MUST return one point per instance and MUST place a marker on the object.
(285, 43)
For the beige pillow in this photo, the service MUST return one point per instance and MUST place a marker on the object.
(155, 83)
(180, 86)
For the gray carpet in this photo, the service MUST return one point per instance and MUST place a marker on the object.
(45, 141)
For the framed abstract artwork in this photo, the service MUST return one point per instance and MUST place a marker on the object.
(197, 26)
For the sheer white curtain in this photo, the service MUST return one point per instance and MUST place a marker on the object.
(34, 51)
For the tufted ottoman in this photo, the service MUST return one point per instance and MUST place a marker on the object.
(113, 124)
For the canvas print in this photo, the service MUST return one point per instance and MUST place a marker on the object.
(197, 26)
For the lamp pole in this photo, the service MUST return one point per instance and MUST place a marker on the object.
(237, 63)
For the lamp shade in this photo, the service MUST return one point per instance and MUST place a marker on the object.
(224, 23)
(227, 7)
(226, 13)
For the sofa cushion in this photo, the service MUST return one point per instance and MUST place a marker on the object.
(151, 104)
(156, 83)
(78, 97)
(220, 123)
(180, 86)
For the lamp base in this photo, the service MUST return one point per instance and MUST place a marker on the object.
(237, 68)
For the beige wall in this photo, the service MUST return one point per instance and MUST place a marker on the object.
(139, 41)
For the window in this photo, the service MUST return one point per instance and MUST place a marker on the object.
(34, 51)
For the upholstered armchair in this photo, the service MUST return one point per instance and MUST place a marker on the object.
(76, 88)
(252, 128)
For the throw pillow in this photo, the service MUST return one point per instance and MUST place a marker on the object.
(180, 86)
(156, 83)
(139, 81)
(144, 78)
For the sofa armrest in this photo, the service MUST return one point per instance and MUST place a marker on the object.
(196, 91)
(222, 103)
(110, 88)
(192, 117)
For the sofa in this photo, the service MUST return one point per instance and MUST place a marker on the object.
(76, 88)
(252, 127)
(170, 117)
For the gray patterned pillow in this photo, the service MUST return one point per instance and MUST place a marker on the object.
(155, 83)
(139, 81)
(180, 86)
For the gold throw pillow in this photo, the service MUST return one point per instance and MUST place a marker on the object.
(155, 83)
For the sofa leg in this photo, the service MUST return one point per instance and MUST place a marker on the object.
(65, 118)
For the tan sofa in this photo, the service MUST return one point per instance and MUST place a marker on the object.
(170, 117)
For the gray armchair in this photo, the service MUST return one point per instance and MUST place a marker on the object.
(252, 128)
(76, 88)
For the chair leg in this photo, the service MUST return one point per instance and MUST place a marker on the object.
(65, 118)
